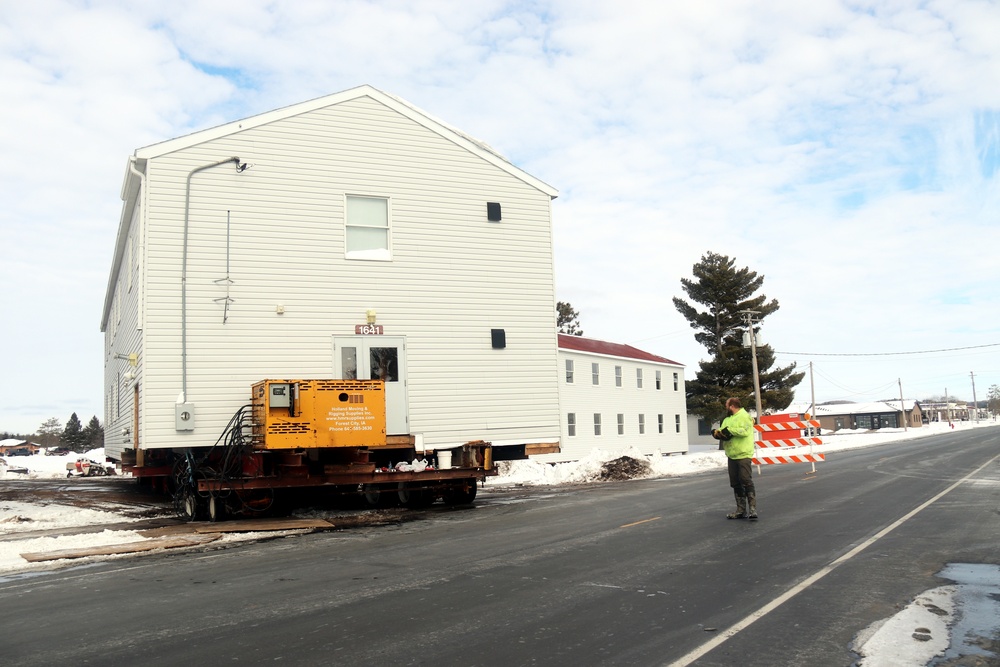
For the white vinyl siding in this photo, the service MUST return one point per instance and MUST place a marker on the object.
(452, 277)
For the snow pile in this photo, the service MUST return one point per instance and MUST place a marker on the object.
(699, 459)
(41, 466)
(17, 517)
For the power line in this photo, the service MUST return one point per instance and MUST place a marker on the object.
(885, 354)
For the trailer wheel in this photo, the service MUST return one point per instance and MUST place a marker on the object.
(186, 503)
(461, 495)
(216, 509)
(377, 495)
(415, 498)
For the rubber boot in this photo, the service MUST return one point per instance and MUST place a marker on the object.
(751, 505)
(741, 508)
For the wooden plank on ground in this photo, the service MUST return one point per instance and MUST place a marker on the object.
(126, 548)
(261, 525)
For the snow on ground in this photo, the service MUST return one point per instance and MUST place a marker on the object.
(889, 642)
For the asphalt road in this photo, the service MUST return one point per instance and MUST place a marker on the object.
(631, 573)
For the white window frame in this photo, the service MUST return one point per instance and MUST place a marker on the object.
(642, 424)
(677, 381)
(659, 423)
(618, 376)
(597, 424)
(659, 380)
(374, 254)
(595, 373)
(621, 423)
(638, 378)
(569, 371)
(571, 424)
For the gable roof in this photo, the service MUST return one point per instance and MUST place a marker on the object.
(480, 148)
(594, 346)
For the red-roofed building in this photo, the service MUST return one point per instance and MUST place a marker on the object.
(613, 396)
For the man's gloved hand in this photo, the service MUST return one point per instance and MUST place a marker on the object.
(716, 434)
(724, 434)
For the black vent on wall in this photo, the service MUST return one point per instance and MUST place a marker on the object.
(493, 211)
(499, 337)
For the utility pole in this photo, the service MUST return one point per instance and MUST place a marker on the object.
(902, 408)
(753, 351)
(975, 403)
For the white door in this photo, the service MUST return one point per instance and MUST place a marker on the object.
(377, 358)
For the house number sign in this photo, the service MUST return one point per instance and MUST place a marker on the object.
(368, 329)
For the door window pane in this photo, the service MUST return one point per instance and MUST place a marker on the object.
(384, 364)
(349, 362)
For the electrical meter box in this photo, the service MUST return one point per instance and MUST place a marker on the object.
(307, 414)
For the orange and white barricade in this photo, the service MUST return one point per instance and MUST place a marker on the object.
(781, 436)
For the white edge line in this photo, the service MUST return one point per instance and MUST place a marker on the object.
(801, 586)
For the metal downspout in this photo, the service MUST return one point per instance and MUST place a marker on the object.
(187, 209)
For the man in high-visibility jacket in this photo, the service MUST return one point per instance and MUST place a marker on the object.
(737, 435)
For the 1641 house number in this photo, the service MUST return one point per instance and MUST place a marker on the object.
(368, 329)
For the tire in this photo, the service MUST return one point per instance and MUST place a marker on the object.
(414, 498)
(216, 509)
(465, 494)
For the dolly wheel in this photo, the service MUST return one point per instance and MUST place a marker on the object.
(216, 509)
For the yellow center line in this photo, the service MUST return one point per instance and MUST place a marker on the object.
(629, 525)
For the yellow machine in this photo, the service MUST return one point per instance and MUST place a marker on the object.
(308, 414)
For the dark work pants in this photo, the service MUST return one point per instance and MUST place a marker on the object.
(741, 476)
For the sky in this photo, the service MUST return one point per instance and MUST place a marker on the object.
(848, 151)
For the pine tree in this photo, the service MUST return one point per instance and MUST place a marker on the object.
(49, 432)
(567, 319)
(724, 291)
(72, 436)
(93, 433)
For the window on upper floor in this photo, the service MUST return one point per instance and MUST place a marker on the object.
(659, 379)
(676, 381)
(595, 372)
(367, 225)
(569, 371)
(618, 376)
(638, 378)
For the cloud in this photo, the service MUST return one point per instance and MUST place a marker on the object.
(848, 151)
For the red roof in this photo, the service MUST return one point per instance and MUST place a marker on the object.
(581, 344)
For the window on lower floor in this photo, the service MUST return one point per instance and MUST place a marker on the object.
(642, 424)
(677, 423)
(659, 423)
(621, 424)
(597, 423)
(571, 424)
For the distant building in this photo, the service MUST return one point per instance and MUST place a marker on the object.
(866, 416)
(613, 396)
(12, 447)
